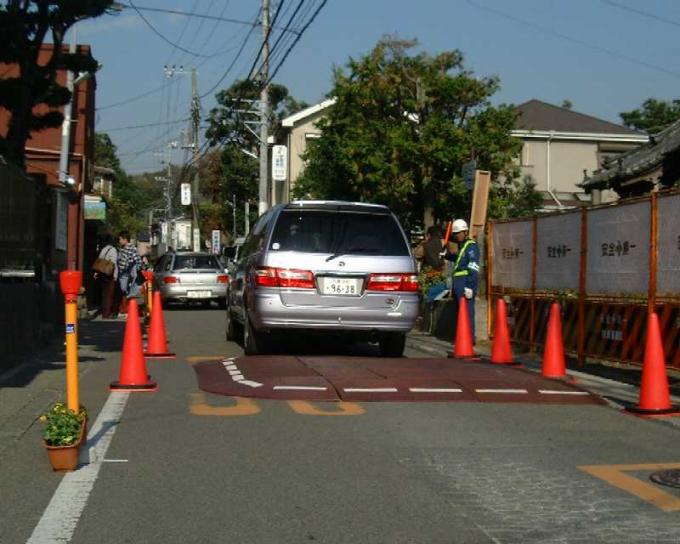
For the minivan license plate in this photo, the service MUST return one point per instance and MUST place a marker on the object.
(341, 286)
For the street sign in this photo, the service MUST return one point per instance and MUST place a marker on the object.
(185, 190)
(279, 162)
(468, 173)
(216, 242)
(197, 240)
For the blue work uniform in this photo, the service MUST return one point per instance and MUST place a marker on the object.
(466, 274)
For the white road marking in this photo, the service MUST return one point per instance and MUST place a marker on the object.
(115, 461)
(231, 367)
(370, 390)
(234, 372)
(433, 390)
(238, 378)
(512, 391)
(61, 516)
(299, 388)
(249, 383)
(551, 392)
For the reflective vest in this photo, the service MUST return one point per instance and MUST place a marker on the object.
(458, 273)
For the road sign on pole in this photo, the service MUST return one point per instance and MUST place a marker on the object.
(215, 246)
(185, 190)
(279, 162)
(468, 173)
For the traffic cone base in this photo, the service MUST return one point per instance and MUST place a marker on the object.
(133, 375)
(645, 412)
(149, 355)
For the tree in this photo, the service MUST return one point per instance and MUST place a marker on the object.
(401, 128)
(234, 171)
(24, 25)
(654, 115)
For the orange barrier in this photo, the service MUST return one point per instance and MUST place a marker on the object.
(464, 345)
(157, 347)
(553, 356)
(654, 392)
(501, 352)
(133, 376)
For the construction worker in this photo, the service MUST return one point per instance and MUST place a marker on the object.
(466, 268)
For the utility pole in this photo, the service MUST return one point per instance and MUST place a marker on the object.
(264, 112)
(195, 123)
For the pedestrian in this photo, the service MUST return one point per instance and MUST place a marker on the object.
(432, 249)
(465, 269)
(106, 273)
(129, 266)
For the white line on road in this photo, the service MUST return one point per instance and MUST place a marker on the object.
(299, 388)
(115, 461)
(551, 392)
(231, 367)
(433, 390)
(249, 383)
(370, 390)
(511, 391)
(61, 516)
(234, 372)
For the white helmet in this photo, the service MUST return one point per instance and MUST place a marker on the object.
(459, 225)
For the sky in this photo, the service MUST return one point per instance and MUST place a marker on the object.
(605, 56)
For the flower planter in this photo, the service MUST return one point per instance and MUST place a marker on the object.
(66, 457)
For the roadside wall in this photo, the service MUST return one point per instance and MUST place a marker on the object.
(608, 266)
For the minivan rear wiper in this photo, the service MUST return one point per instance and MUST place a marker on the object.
(354, 250)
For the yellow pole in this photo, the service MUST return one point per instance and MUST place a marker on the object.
(149, 295)
(72, 399)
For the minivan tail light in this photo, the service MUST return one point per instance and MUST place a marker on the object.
(392, 282)
(170, 279)
(223, 278)
(284, 277)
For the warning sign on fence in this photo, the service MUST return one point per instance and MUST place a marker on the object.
(512, 254)
(618, 250)
(668, 246)
(558, 252)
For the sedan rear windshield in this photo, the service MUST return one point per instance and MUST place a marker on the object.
(343, 233)
(188, 262)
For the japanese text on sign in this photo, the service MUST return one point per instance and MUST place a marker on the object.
(511, 252)
(616, 249)
(558, 252)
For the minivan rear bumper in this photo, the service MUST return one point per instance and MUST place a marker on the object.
(270, 313)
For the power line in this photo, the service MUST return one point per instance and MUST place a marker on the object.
(176, 121)
(642, 13)
(160, 35)
(297, 39)
(577, 41)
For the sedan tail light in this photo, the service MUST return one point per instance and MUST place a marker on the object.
(223, 278)
(170, 279)
(392, 282)
(284, 277)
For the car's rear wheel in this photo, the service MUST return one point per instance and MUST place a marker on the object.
(392, 344)
(222, 303)
(254, 342)
(232, 329)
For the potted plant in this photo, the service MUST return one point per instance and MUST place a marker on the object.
(63, 434)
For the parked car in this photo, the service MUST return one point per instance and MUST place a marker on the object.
(191, 277)
(324, 266)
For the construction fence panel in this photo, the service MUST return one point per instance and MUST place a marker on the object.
(558, 252)
(618, 250)
(668, 247)
(512, 252)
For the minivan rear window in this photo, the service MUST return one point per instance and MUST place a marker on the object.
(184, 262)
(345, 233)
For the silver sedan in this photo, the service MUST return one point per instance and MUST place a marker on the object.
(191, 277)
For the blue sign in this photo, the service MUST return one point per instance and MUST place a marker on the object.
(70, 328)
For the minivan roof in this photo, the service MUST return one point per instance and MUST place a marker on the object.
(338, 205)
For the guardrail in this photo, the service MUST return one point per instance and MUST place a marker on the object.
(608, 265)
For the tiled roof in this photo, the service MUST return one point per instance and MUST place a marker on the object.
(537, 115)
(641, 160)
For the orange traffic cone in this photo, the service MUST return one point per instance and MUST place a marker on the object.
(157, 347)
(501, 352)
(133, 376)
(654, 393)
(464, 347)
(553, 355)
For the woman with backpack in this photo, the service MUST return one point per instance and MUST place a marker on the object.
(106, 273)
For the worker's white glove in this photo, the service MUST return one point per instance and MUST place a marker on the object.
(468, 293)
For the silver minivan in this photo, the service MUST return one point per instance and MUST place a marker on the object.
(324, 266)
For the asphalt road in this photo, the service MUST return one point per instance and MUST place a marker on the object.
(186, 466)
